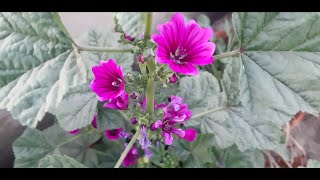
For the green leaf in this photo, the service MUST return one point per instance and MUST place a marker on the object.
(193, 90)
(30, 147)
(280, 54)
(204, 21)
(109, 153)
(33, 53)
(229, 124)
(233, 158)
(132, 23)
(42, 73)
(58, 161)
(194, 154)
(111, 119)
(34, 145)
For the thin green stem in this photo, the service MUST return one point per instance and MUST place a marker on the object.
(149, 93)
(227, 54)
(207, 112)
(74, 138)
(124, 115)
(125, 152)
(101, 49)
(147, 31)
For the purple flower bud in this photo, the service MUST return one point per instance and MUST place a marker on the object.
(129, 38)
(173, 79)
(140, 58)
(134, 96)
(133, 120)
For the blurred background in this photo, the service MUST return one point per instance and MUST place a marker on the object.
(304, 141)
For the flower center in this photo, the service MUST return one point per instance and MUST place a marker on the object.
(112, 132)
(166, 126)
(179, 55)
(117, 82)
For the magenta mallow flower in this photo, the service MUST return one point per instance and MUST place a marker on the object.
(120, 103)
(177, 109)
(175, 112)
(113, 134)
(129, 38)
(182, 46)
(74, 132)
(131, 157)
(108, 81)
(173, 79)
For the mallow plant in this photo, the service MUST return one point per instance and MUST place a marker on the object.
(130, 98)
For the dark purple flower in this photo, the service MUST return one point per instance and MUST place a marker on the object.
(133, 120)
(175, 112)
(173, 79)
(182, 46)
(129, 38)
(120, 103)
(131, 156)
(113, 134)
(74, 131)
(134, 96)
(124, 134)
(108, 81)
(144, 141)
(176, 108)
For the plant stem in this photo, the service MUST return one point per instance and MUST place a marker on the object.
(207, 112)
(125, 152)
(149, 92)
(101, 49)
(147, 31)
(227, 54)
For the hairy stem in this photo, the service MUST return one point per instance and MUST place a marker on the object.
(147, 31)
(227, 54)
(101, 49)
(207, 112)
(149, 92)
(125, 152)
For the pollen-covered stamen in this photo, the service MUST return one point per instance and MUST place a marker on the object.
(179, 55)
(117, 83)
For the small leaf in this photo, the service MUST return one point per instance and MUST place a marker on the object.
(204, 21)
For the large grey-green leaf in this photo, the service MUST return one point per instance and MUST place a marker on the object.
(132, 23)
(34, 145)
(30, 147)
(111, 119)
(233, 158)
(196, 153)
(228, 123)
(281, 58)
(32, 53)
(202, 94)
(58, 161)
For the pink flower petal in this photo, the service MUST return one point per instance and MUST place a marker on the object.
(167, 137)
(190, 135)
